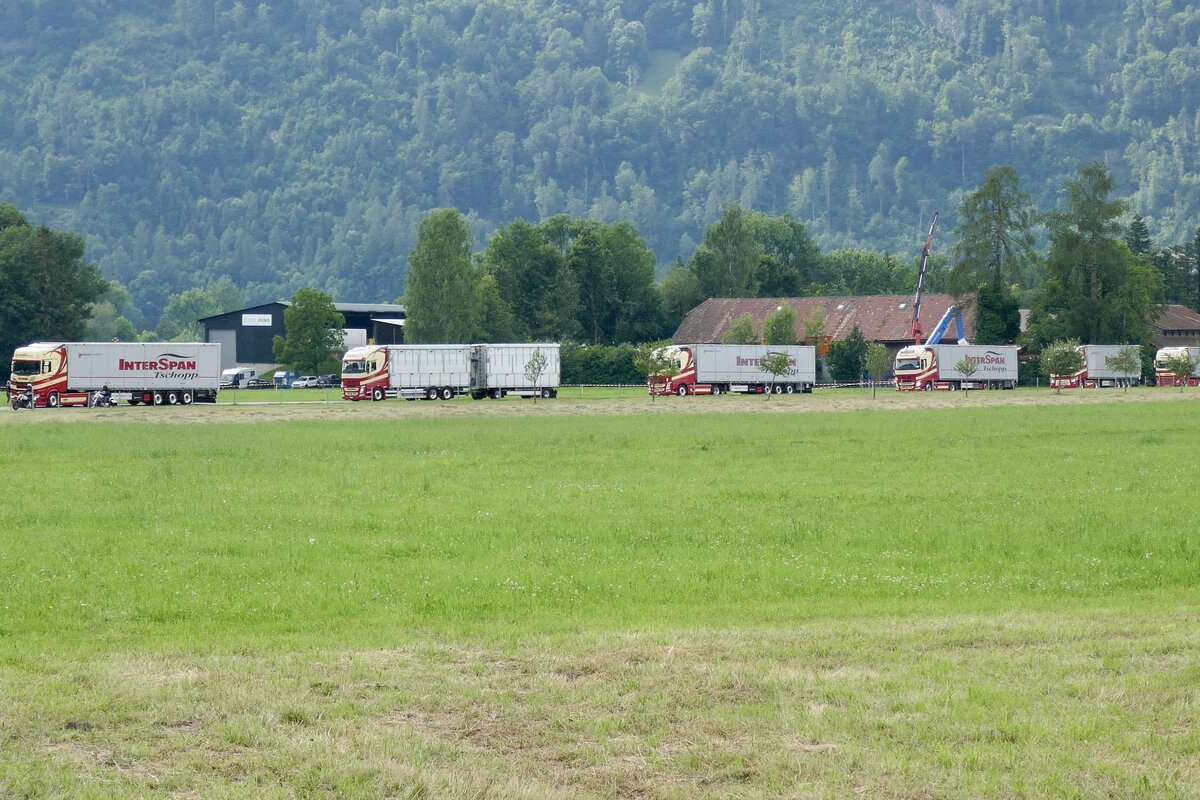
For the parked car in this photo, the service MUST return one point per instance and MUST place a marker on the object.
(259, 383)
(305, 382)
(329, 381)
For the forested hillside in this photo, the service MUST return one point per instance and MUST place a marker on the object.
(298, 143)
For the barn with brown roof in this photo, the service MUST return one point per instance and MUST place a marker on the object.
(1178, 326)
(886, 319)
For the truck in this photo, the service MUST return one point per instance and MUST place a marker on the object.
(150, 373)
(718, 368)
(411, 371)
(926, 367)
(433, 371)
(1164, 377)
(933, 365)
(1098, 369)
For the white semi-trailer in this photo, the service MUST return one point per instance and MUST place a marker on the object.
(504, 369)
(717, 368)
(153, 373)
(935, 366)
(1098, 369)
(433, 371)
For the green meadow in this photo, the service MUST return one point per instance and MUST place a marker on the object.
(955, 601)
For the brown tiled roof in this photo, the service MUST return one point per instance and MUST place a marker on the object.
(1178, 318)
(1178, 326)
(881, 318)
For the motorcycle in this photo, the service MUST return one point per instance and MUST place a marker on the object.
(22, 400)
(102, 400)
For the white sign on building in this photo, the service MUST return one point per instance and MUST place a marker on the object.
(256, 320)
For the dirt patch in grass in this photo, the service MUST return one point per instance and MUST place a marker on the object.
(568, 404)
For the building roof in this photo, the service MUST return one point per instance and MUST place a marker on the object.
(1178, 318)
(881, 318)
(368, 308)
(1178, 326)
(352, 308)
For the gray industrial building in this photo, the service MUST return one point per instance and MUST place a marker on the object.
(246, 335)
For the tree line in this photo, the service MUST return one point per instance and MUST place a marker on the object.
(1098, 278)
(576, 279)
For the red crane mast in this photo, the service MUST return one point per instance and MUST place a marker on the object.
(916, 320)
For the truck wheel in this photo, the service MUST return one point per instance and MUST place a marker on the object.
(929, 387)
(777, 389)
(716, 391)
(158, 399)
(52, 400)
(172, 398)
(446, 393)
(476, 395)
(495, 394)
(431, 393)
(789, 389)
(185, 398)
(681, 390)
(545, 393)
(376, 394)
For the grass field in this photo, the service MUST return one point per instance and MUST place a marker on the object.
(991, 596)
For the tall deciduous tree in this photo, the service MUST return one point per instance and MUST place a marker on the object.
(789, 260)
(107, 316)
(848, 357)
(1193, 254)
(637, 313)
(179, 321)
(1096, 290)
(681, 292)
(440, 293)
(995, 237)
(313, 329)
(725, 262)
(46, 288)
(590, 263)
(495, 318)
(533, 278)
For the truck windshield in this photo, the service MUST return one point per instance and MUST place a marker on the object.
(354, 367)
(907, 364)
(26, 368)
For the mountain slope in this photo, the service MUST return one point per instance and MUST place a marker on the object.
(298, 142)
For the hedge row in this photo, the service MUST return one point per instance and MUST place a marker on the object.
(598, 364)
